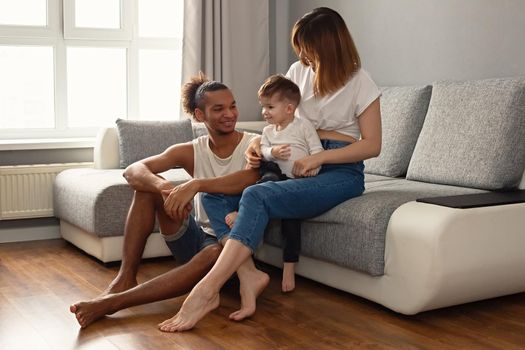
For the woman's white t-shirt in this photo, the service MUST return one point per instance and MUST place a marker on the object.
(340, 110)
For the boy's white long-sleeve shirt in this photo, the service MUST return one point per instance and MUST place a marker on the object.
(300, 134)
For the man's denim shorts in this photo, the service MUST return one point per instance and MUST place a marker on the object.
(188, 241)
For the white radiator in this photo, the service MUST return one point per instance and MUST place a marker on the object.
(26, 191)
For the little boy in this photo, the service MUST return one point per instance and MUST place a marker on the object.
(286, 139)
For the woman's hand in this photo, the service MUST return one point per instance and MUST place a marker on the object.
(307, 166)
(253, 153)
(177, 201)
(312, 172)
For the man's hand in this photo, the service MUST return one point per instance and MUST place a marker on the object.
(177, 201)
(253, 153)
(282, 152)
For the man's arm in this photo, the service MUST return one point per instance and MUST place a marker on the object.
(233, 183)
(177, 202)
(142, 175)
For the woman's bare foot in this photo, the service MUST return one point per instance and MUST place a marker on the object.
(119, 284)
(251, 287)
(230, 219)
(88, 312)
(198, 303)
(288, 283)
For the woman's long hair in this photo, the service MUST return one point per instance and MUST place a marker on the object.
(322, 39)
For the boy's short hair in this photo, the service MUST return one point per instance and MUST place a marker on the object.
(279, 84)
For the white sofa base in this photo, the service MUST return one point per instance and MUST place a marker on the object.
(434, 257)
(108, 249)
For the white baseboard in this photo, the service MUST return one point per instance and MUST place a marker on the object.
(33, 233)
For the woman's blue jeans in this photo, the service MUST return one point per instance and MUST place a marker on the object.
(291, 199)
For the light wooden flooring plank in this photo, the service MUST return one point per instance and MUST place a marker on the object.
(39, 280)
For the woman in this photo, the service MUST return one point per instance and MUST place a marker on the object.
(342, 102)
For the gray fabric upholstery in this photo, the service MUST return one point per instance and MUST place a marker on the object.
(353, 233)
(139, 139)
(403, 111)
(98, 200)
(373, 178)
(199, 129)
(473, 135)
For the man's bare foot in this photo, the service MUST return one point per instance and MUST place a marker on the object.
(118, 285)
(251, 287)
(230, 219)
(198, 303)
(288, 283)
(88, 312)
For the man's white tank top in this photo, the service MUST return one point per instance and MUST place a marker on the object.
(206, 164)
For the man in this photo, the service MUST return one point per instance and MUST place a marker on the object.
(216, 163)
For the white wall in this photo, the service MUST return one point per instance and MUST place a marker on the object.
(404, 42)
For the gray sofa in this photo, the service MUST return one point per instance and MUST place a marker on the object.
(451, 138)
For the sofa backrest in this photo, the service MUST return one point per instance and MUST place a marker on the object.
(403, 110)
(473, 135)
(106, 151)
(106, 154)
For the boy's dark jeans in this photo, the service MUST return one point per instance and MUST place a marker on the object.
(290, 228)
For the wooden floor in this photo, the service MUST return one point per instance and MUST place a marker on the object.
(39, 280)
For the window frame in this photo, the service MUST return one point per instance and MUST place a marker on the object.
(54, 35)
(73, 32)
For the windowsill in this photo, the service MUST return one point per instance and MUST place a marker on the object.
(33, 144)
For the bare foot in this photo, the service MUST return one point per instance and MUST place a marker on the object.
(288, 283)
(118, 285)
(230, 219)
(198, 303)
(251, 287)
(88, 312)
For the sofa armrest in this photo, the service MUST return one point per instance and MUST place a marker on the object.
(106, 152)
(444, 256)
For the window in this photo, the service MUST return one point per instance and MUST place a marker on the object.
(68, 67)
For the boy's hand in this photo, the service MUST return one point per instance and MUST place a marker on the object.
(282, 152)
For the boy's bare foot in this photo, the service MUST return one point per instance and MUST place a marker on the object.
(230, 219)
(251, 287)
(198, 303)
(288, 283)
(88, 312)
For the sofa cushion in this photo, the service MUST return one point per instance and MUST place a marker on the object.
(403, 111)
(97, 200)
(139, 139)
(353, 233)
(373, 178)
(473, 135)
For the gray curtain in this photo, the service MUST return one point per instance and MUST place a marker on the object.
(229, 41)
